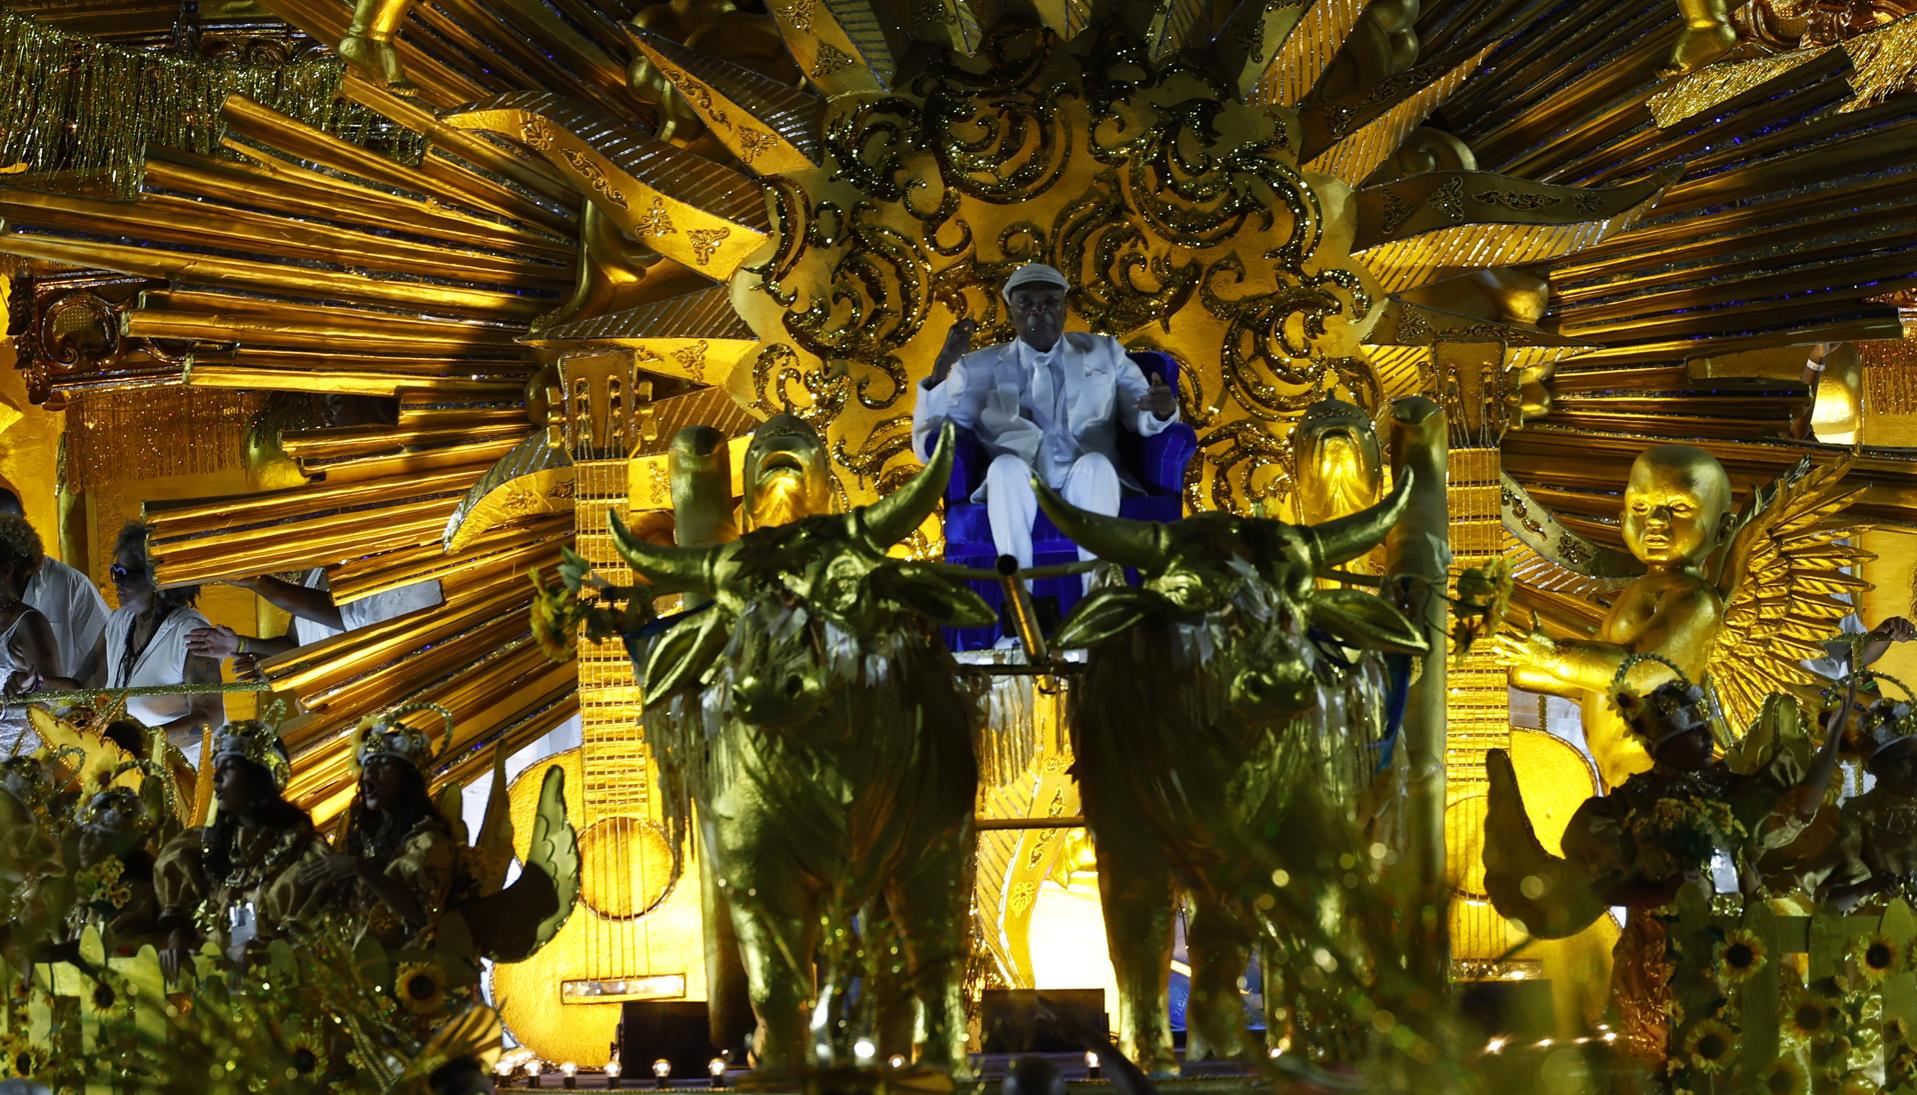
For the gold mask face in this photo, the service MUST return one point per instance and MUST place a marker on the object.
(1674, 505)
(785, 476)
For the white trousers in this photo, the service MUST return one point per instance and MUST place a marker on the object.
(1091, 484)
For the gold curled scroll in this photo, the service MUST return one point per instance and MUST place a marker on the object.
(772, 128)
(693, 211)
(1254, 34)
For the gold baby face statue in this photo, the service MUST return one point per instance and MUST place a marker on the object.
(1675, 505)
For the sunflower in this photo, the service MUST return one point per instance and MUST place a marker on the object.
(1876, 957)
(1808, 1015)
(119, 895)
(307, 1056)
(1784, 1077)
(1740, 955)
(1831, 1056)
(24, 1059)
(1710, 1046)
(107, 997)
(556, 613)
(421, 987)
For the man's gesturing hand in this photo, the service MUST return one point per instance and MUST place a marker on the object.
(957, 341)
(1161, 400)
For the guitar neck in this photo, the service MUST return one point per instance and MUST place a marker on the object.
(617, 766)
(1478, 707)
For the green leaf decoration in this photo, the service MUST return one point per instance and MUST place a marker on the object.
(1365, 620)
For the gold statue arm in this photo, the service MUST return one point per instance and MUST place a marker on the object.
(1681, 628)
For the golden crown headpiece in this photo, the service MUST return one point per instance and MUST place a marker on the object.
(385, 735)
(115, 810)
(1885, 722)
(1671, 709)
(256, 742)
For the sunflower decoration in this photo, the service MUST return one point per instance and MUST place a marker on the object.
(23, 1059)
(1710, 1046)
(1876, 957)
(1785, 1076)
(421, 988)
(1740, 956)
(556, 613)
(1809, 1016)
(306, 1056)
(109, 997)
(1831, 1056)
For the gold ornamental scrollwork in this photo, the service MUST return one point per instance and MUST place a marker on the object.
(1184, 220)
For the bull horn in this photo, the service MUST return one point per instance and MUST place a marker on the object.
(667, 568)
(1143, 545)
(1348, 537)
(894, 517)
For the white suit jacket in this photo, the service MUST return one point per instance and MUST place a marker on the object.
(1003, 401)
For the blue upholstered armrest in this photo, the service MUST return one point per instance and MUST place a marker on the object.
(968, 465)
(1161, 459)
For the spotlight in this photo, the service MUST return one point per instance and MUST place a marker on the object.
(717, 1069)
(897, 1060)
(864, 1050)
(612, 1073)
(571, 1073)
(1091, 1064)
(661, 1072)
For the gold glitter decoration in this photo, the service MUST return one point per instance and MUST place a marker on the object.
(831, 60)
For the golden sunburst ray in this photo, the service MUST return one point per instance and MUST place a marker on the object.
(727, 97)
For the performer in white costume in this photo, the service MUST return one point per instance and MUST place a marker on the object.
(1049, 402)
(146, 645)
(29, 653)
(72, 605)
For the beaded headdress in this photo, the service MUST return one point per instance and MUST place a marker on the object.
(1673, 708)
(255, 742)
(385, 735)
(115, 810)
(1888, 721)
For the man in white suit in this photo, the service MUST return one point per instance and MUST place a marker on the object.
(1049, 403)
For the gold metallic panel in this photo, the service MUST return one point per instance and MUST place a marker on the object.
(1360, 136)
(770, 127)
(534, 480)
(1710, 87)
(689, 209)
(1304, 54)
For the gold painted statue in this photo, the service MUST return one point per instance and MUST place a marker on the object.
(1706, 605)
(1337, 469)
(368, 45)
(808, 706)
(1203, 708)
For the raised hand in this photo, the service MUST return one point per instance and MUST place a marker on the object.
(1161, 400)
(957, 342)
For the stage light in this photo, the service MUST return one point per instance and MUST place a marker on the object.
(717, 1068)
(864, 1050)
(1091, 1064)
(661, 1072)
(897, 1060)
(571, 1073)
(612, 1073)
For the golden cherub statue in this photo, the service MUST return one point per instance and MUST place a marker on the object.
(1698, 604)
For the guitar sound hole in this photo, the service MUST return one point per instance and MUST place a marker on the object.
(626, 866)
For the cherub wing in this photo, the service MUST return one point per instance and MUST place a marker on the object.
(1549, 895)
(494, 849)
(1784, 587)
(1560, 577)
(511, 925)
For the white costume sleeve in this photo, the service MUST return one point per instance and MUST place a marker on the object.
(1132, 387)
(390, 605)
(936, 404)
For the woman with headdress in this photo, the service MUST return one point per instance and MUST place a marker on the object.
(114, 883)
(1881, 823)
(29, 651)
(234, 881)
(146, 646)
(401, 860)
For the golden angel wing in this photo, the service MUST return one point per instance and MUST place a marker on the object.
(512, 924)
(1563, 579)
(1785, 588)
(1549, 895)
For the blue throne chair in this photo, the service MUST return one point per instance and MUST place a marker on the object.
(1157, 463)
